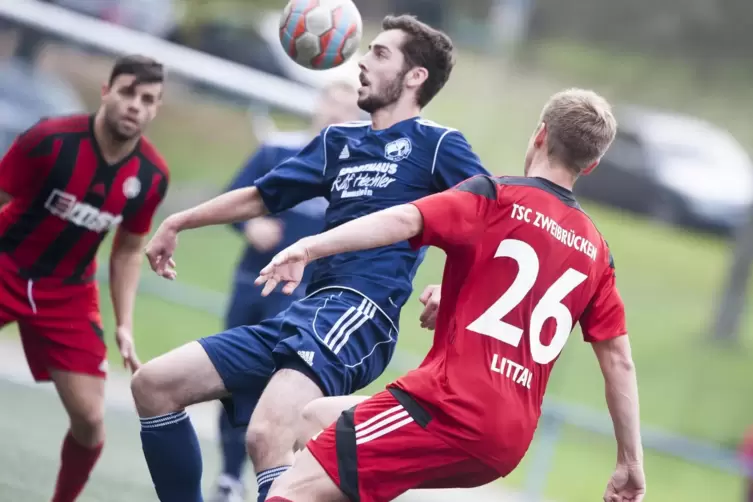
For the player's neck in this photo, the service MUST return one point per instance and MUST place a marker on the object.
(112, 150)
(557, 174)
(388, 116)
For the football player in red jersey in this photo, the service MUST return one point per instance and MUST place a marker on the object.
(524, 264)
(64, 184)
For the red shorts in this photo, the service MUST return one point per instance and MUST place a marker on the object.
(379, 449)
(60, 324)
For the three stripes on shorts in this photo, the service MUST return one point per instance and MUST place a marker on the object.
(381, 424)
(349, 323)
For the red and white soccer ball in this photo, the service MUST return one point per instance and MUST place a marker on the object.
(320, 34)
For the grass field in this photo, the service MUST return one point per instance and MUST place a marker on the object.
(669, 279)
(29, 439)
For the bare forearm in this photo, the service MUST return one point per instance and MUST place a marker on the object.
(238, 205)
(125, 268)
(379, 229)
(621, 387)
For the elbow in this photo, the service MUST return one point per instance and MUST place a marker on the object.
(615, 357)
(255, 206)
(410, 220)
(624, 363)
(620, 367)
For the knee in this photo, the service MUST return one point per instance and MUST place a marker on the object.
(309, 425)
(310, 414)
(150, 391)
(88, 426)
(259, 437)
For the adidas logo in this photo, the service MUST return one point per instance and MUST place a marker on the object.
(345, 154)
(307, 356)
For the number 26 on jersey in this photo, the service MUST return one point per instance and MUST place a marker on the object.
(549, 306)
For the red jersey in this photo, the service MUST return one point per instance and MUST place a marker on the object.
(524, 264)
(66, 197)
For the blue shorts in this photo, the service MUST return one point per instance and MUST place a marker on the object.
(337, 337)
(247, 306)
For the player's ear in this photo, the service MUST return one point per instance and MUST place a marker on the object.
(539, 137)
(105, 89)
(590, 168)
(416, 77)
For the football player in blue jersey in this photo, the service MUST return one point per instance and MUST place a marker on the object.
(265, 236)
(341, 336)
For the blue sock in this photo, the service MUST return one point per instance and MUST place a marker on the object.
(233, 447)
(265, 479)
(173, 455)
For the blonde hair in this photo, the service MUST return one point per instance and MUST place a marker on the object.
(580, 127)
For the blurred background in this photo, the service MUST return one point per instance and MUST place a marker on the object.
(673, 197)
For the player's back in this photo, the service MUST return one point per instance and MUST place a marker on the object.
(512, 290)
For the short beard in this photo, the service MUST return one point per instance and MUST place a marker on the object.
(391, 94)
(114, 131)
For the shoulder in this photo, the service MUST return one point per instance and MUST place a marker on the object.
(604, 254)
(345, 128)
(445, 140)
(149, 152)
(481, 184)
(52, 126)
(438, 131)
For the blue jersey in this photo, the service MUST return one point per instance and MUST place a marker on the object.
(306, 218)
(360, 171)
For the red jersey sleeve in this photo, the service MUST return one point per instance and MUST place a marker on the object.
(605, 316)
(455, 216)
(19, 167)
(141, 222)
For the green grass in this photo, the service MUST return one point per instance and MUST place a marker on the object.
(669, 279)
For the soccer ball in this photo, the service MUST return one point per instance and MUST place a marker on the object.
(320, 34)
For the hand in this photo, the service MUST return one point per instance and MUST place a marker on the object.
(287, 266)
(264, 233)
(627, 484)
(124, 339)
(430, 298)
(159, 250)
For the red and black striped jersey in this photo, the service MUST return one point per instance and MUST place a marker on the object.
(66, 197)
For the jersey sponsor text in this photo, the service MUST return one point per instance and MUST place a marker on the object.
(358, 181)
(567, 237)
(66, 207)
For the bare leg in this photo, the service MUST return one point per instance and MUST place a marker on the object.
(172, 381)
(307, 481)
(321, 413)
(83, 399)
(272, 432)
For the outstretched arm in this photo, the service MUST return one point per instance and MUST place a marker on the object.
(375, 230)
(446, 220)
(379, 229)
(237, 205)
(299, 178)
